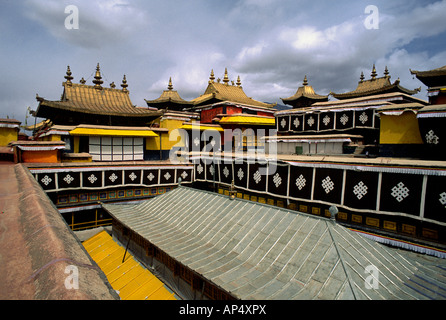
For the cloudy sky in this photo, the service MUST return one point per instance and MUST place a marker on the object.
(271, 44)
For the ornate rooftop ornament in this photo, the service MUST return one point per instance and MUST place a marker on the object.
(226, 78)
(386, 72)
(82, 81)
(112, 85)
(98, 78)
(238, 83)
(124, 84)
(170, 86)
(212, 77)
(374, 74)
(305, 83)
(361, 78)
(68, 77)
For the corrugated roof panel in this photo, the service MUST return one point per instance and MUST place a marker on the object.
(257, 251)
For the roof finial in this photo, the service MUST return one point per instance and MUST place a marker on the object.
(305, 83)
(374, 74)
(386, 72)
(238, 83)
(82, 81)
(361, 78)
(212, 77)
(124, 84)
(226, 78)
(170, 86)
(68, 76)
(112, 85)
(98, 78)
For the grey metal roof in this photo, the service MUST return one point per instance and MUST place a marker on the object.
(257, 251)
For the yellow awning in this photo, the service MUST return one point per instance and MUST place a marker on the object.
(200, 127)
(246, 120)
(112, 132)
(131, 280)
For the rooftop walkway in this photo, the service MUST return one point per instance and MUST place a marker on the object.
(131, 280)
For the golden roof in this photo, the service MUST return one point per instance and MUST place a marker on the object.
(217, 92)
(434, 72)
(305, 92)
(168, 98)
(431, 78)
(94, 99)
(375, 86)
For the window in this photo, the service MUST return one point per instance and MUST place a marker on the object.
(116, 148)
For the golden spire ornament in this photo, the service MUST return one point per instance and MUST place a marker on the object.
(170, 86)
(374, 74)
(226, 78)
(98, 78)
(124, 84)
(68, 76)
(238, 83)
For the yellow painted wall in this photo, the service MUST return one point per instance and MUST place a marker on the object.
(7, 135)
(76, 144)
(402, 129)
(154, 143)
(53, 137)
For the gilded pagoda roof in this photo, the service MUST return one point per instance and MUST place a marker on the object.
(169, 98)
(93, 99)
(431, 78)
(305, 92)
(217, 91)
(375, 85)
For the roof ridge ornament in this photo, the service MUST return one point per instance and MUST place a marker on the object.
(239, 82)
(212, 77)
(170, 86)
(386, 72)
(305, 83)
(98, 78)
(361, 78)
(124, 84)
(68, 76)
(82, 81)
(374, 74)
(226, 78)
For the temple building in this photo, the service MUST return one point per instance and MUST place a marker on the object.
(100, 122)
(375, 85)
(352, 123)
(169, 100)
(228, 107)
(305, 96)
